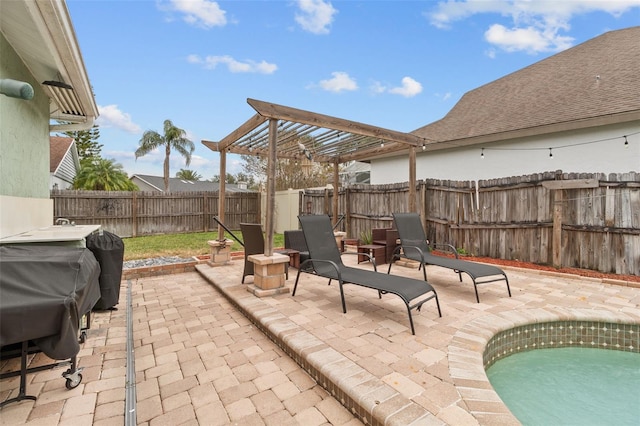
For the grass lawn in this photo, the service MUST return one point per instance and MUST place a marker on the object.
(182, 245)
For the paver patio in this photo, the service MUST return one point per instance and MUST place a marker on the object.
(209, 352)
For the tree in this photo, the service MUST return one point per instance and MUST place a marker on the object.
(228, 179)
(297, 173)
(103, 175)
(173, 138)
(249, 180)
(86, 143)
(255, 167)
(187, 174)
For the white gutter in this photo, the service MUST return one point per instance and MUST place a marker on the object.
(72, 127)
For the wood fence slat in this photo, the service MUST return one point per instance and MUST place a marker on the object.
(139, 213)
(512, 218)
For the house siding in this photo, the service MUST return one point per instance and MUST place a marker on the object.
(595, 150)
(24, 163)
(67, 170)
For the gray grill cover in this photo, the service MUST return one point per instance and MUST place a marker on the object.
(44, 290)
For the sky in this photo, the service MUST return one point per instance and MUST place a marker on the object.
(393, 64)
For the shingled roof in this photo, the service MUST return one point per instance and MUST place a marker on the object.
(594, 83)
(58, 148)
(181, 185)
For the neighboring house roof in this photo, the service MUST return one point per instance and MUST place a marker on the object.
(59, 147)
(156, 183)
(64, 163)
(592, 84)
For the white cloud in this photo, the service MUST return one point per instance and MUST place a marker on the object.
(111, 116)
(201, 13)
(527, 39)
(234, 66)
(535, 25)
(315, 16)
(339, 83)
(409, 88)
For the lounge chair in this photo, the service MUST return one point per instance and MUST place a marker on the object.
(413, 246)
(326, 261)
(253, 239)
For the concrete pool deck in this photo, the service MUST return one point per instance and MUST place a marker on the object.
(207, 351)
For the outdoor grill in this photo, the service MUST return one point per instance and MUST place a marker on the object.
(45, 290)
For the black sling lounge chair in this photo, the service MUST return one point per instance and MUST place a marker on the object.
(326, 261)
(413, 243)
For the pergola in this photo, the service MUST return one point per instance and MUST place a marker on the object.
(277, 131)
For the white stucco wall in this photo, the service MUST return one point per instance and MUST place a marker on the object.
(597, 150)
(24, 152)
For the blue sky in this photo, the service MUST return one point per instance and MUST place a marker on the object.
(394, 64)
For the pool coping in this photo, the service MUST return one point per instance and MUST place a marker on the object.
(467, 348)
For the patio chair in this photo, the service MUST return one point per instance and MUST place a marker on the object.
(414, 246)
(253, 239)
(327, 262)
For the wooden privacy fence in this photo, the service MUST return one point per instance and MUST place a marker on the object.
(131, 214)
(589, 221)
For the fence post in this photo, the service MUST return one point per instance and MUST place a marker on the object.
(412, 179)
(347, 207)
(134, 214)
(557, 228)
(326, 201)
(205, 212)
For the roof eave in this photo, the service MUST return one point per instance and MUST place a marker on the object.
(605, 120)
(52, 21)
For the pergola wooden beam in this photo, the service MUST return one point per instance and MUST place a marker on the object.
(269, 110)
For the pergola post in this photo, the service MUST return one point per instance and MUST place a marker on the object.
(336, 182)
(221, 193)
(271, 187)
(221, 248)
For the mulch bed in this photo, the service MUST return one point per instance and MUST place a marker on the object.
(576, 271)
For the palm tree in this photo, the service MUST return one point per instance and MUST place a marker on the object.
(174, 137)
(103, 175)
(190, 175)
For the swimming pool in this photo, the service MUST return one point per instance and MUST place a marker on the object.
(540, 385)
(571, 385)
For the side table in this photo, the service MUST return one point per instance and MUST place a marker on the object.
(294, 257)
(374, 250)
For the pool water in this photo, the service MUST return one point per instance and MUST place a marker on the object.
(570, 386)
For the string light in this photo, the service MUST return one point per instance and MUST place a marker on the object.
(424, 147)
(626, 145)
(382, 144)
